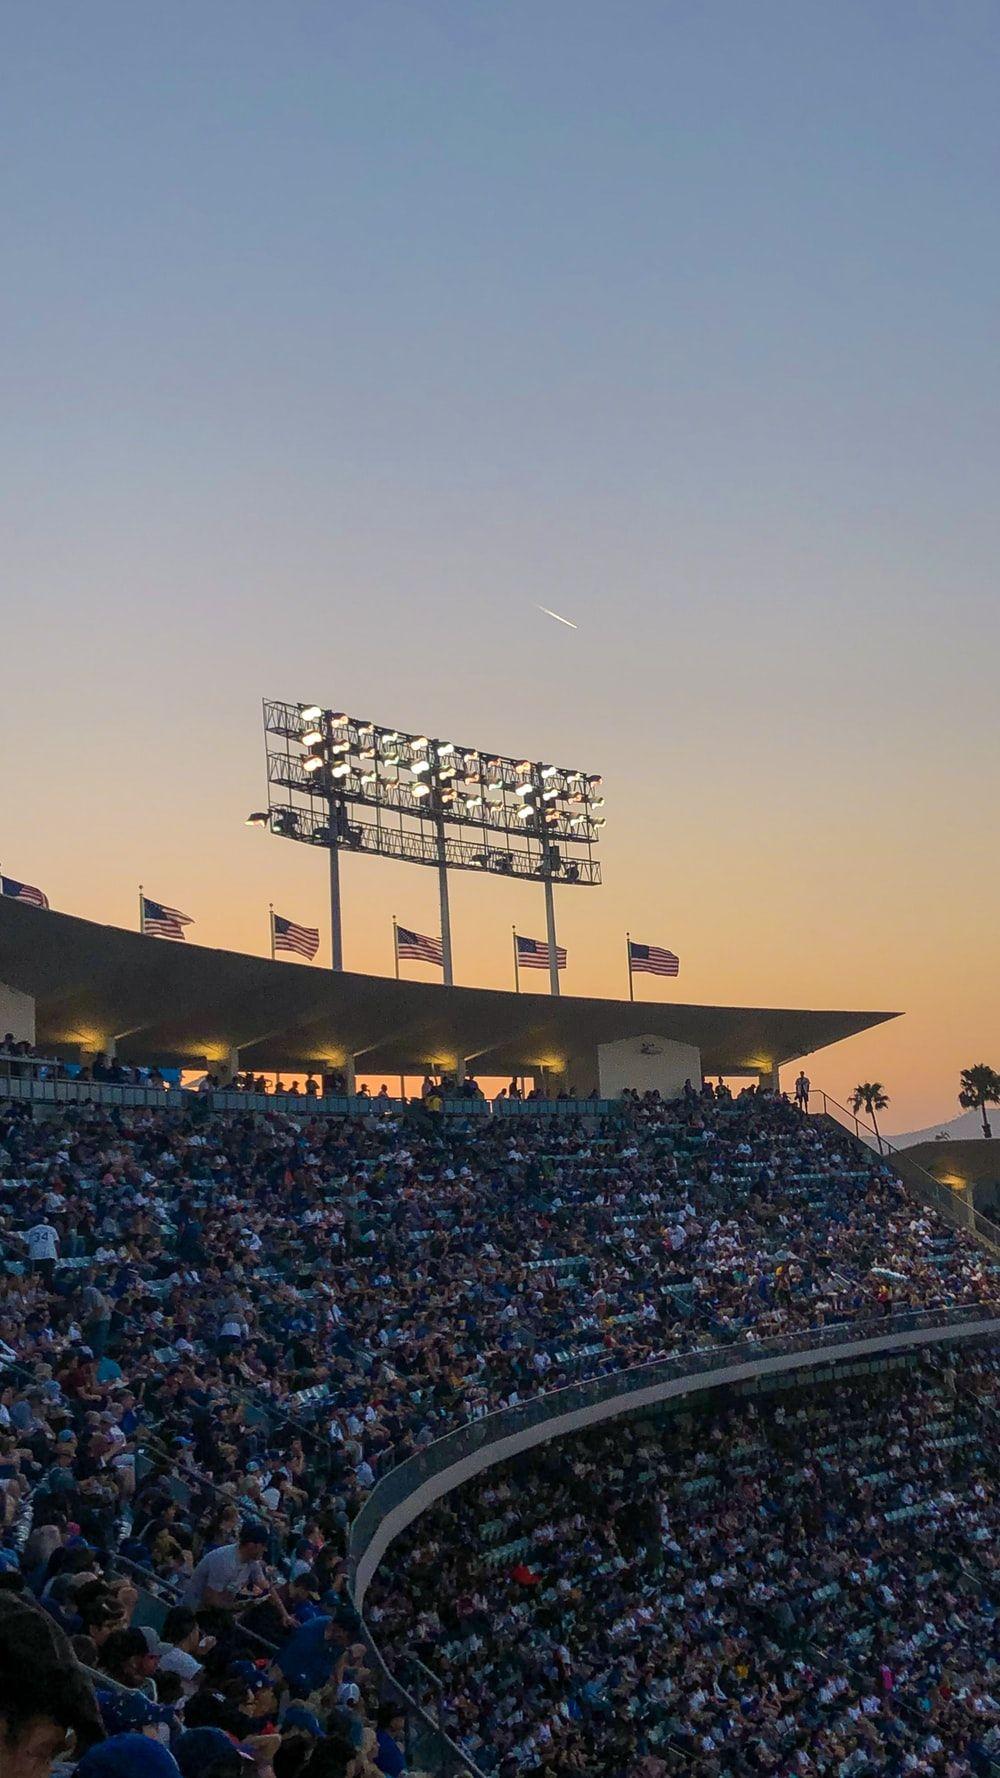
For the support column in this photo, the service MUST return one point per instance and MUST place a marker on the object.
(227, 1067)
(349, 1075)
(550, 932)
(334, 826)
(442, 846)
(336, 919)
(768, 1081)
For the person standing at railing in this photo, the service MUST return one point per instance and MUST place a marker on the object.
(802, 1085)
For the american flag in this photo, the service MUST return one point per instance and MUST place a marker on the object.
(161, 922)
(533, 953)
(419, 948)
(652, 960)
(290, 936)
(25, 892)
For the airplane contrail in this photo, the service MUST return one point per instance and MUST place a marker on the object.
(570, 625)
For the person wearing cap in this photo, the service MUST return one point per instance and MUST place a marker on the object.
(128, 1756)
(125, 1712)
(317, 1654)
(209, 1753)
(261, 1704)
(298, 1719)
(223, 1577)
(46, 1699)
(182, 1643)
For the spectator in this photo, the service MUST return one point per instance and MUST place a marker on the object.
(45, 1698)
(390, 1757)
(226, 1578)
(128, 1756)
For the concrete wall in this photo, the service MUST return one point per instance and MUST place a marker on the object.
(647, 1064)
(17, 1014)
(970, 1168)
(424, 1492)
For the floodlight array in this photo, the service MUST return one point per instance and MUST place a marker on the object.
(355, 783)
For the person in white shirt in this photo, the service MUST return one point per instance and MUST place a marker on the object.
(43, 1249)
(224, 1579)
(182, 1643)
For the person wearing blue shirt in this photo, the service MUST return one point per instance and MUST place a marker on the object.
(391, 1732)
(313, 1653)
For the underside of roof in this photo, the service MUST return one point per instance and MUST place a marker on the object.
(172, 1003)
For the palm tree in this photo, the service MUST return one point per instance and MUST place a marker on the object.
(870, 1096)
(979, 1086)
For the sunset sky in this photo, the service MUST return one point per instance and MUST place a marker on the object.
(339, 336)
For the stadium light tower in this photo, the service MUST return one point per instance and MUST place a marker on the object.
(342, 783)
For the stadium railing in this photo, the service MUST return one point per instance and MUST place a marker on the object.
(40, 1084)
(408, 1490)
(955, 1208)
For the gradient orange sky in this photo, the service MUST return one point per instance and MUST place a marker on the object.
(338, 339)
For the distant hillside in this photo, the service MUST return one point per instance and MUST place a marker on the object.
(968, 1127)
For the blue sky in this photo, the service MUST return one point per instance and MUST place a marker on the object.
(336, 337)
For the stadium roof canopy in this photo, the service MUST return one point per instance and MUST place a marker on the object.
(170, 1003)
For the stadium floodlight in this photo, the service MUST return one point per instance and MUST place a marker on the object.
(259, 818)
(339, 782)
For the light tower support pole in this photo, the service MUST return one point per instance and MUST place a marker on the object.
(538, 783)
(336, 917)
(333, 834)
(550, 925)
(449, 975)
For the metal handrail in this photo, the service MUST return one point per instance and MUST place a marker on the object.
(953, 1208)
(448, 1753)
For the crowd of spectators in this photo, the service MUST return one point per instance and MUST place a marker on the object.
(21, 1060)
(219, 1331)
(802, 1584)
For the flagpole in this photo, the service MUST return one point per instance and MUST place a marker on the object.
(395, 944)
(142, 911)
(517, 973)
(270, 916)
(628, 953)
